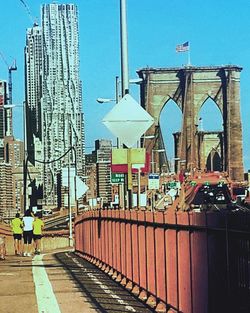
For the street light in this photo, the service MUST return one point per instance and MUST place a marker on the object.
(136, 81)
(144, 138)
(173, 164)
(152, 157)
(72, 147)
(105, 100)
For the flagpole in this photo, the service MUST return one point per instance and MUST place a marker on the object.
(189, 61)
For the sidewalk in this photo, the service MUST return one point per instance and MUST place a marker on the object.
(61, 282)
(20, 277)
(17, 292)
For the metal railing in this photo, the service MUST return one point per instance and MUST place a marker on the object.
(184, 261)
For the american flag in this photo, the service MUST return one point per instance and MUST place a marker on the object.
(182, 48)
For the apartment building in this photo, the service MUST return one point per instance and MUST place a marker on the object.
(103, 148)
(54, 95)
(6, 191)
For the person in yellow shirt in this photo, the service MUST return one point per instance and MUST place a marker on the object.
(38, 225)
(17, 229)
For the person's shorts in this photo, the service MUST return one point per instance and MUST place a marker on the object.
(27, 236)
(17, 236)
(35, 237)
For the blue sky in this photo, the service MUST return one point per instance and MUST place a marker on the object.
(218, 32)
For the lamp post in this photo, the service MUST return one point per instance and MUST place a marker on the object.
(124, 48)
(69, 203)
(174, 164)
(152, 158)
(145, 137)
(72, 147)
(136, 81)
(116, 100)
(104, 100)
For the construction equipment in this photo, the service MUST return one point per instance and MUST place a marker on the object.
(33, 20)
(11, 68)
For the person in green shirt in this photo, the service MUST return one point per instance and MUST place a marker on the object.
(17, 229)
(38, 225)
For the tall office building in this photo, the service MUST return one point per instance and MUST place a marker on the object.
(54, 96)
(33, 92)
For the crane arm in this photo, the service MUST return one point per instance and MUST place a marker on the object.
(28, 11)
(3, 58)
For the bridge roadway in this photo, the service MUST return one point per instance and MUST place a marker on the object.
(61, 282)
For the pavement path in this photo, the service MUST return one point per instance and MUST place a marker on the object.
(61, 283)
(17, 292)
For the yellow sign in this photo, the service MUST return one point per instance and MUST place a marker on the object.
(137, 156)
(130, 157)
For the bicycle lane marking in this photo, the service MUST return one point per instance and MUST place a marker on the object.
(104, 287)
(46, 299)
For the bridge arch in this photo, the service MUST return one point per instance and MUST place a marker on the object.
(209, 108)
(190, 87)
(214, 161)
(170, 121)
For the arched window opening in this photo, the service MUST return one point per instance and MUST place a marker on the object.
(214, 162)
(210, 117)
(170, 123)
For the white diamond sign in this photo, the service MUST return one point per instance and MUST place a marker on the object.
(128, 121)
(80, 188)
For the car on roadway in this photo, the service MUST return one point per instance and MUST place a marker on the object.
(47, 212)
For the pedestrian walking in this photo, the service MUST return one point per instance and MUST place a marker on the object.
(38, 225)
(17, 229)
(28, 220)
(2, 247)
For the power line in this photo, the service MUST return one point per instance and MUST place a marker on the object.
(55, 160)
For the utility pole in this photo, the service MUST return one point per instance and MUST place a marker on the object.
(25, 159)
(124, 48)
(69, 190)
(125, 82)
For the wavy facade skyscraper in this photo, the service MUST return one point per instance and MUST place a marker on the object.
(56, 125)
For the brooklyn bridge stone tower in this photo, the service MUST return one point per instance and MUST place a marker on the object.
(189, 88)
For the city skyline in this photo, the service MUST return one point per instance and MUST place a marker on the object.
(154, 30)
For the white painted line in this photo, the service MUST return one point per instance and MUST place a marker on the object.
(104, 287)
(46, 299)
(7, 274)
